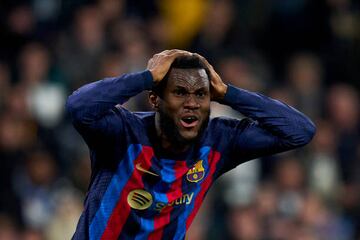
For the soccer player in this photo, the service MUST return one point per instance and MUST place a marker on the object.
(152, 170)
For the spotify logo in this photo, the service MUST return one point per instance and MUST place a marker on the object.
(139, 199)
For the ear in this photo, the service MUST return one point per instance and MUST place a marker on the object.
(154, 100)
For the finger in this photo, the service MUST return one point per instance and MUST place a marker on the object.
(165, 52)
(214, 75)
(176, 50)
(204, 60)
(180, 53)
(150, 62)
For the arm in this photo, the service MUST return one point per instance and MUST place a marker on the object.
(92, 101)
(273, 126)
(276, 127)
(92, 106)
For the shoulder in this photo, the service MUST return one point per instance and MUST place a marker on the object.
(137, 119)
(229, 123)
(127, 114)
(144, 115)
(120, 119)
(222, 130)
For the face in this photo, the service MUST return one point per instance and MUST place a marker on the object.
(185, 106)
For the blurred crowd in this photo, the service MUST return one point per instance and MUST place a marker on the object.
(305, 53)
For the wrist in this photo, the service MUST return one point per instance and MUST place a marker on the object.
(154, 78)
(220, 93)
(148, 79)
(223, 90)
(229, 96)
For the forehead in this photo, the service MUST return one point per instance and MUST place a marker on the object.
(192, 77)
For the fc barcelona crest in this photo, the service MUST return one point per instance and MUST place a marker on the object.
(196, 173)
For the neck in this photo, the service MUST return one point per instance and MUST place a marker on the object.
(165, 141)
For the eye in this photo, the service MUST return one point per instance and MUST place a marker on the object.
(179, 92)
(201, 94)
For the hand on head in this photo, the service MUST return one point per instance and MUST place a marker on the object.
(218, 87)
(161, 62)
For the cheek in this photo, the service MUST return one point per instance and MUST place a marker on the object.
(205, 107)
(170, 107)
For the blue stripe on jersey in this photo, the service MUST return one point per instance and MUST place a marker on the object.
(161, 197)
(146, 227)
(168, 171)
(113, 191)
(167, 174)
(181, 227)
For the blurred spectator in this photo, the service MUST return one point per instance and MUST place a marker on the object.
(240, 184)
(68, 208)
(244, 223)
(111, 65)
(17, 28)
(343, 110)
(341, 55)
(80, 173)
(290, 184)
(283, 94)
(80, 49)
(110, 10)
(35, 187)
(218, 33)
(323, 168)
(305, 78)
(32, 234)
(8, 230)
(242, 72)
(322, 222)
(45, 96)
(5, 81)
(133, 45)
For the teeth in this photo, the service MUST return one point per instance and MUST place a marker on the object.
(189, 119)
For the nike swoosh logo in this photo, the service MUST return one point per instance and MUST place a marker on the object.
(138, 167)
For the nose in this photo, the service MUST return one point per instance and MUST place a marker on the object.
(191, 102)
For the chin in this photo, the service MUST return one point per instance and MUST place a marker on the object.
(189, 136)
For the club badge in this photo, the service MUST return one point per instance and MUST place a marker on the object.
(196, 173)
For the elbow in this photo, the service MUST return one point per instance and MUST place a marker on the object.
(309, 132)
(69, 105)
(72, 107)
(305, 134)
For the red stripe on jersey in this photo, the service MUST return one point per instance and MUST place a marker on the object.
(174, 192)
(122, 209)
(213, 159)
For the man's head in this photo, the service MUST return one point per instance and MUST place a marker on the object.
(182, 100)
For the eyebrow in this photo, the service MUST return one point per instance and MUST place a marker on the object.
(186, 89)
(202, 89)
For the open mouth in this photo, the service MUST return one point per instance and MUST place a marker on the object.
(189, 121)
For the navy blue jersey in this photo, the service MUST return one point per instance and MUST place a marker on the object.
(137, 191)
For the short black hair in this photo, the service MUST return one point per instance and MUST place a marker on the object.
(183, 62)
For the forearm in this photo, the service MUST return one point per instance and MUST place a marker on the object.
(286, 123)
(91, 101)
